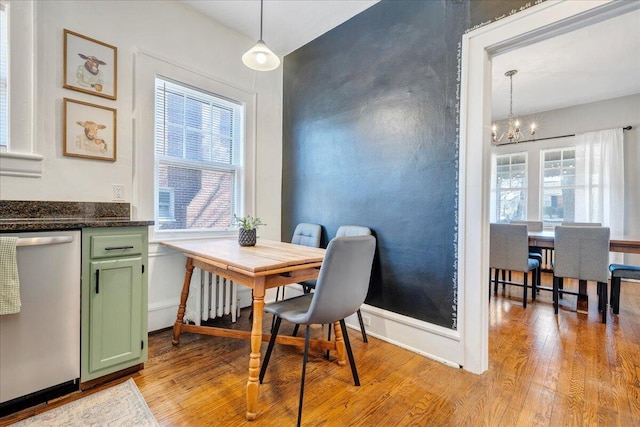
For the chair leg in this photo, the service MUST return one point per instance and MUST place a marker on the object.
(272, 341)
(329, 326)
(295, 330)
(352, 362)
(599, 291)
(364, 332)
(555, 294)
(525, 285)
(251, 312)
(496, 273)
(489, 284)
(304, 370)
(273, 320)
(603, 298)
(504, 279)
(615, 295)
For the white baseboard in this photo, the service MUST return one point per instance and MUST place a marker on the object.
(432, 341)
(162, 315)
(429, 340)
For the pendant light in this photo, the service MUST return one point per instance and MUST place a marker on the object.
(260, 57)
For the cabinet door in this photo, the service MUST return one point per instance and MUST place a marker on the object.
(115, 329)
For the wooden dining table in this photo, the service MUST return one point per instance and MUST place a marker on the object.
(266, 265)
(625, 244)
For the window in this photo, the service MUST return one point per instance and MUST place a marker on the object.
(4, 83)
(558, 185)
(198, 140)
(510, 184)
(166, 205)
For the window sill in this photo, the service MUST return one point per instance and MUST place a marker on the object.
(160, 236)
(21, 164)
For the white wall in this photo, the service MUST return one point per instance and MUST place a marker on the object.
(175, 33)
(609, 114)
(170, 30)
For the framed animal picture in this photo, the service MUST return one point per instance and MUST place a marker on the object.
(90, 66)
(89, 131)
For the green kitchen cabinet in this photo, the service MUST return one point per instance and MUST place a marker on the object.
(114, 300)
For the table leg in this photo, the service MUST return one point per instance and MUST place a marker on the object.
(340, 347)
(583, 299)
(256, 340)
(177, 327)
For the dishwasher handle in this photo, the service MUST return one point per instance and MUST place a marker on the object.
(41, 241)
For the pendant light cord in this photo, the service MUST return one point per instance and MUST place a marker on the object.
(510, 94)
(261, 1)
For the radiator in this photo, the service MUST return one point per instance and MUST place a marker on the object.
(218, 297)
(547, 259)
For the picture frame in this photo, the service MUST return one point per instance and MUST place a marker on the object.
(90, 66)
(89, 130)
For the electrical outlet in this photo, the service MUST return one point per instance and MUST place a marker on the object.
(366, 320)
(118, 192)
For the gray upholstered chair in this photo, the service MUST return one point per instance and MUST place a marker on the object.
(621, 271)
(509, 251)
(307, 235)
(531, 225)
(347, 260)
(581, 253)
(343, 231)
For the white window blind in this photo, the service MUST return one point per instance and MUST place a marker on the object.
(558, 185)
(511, 187)
(4, 80)
(197, 158)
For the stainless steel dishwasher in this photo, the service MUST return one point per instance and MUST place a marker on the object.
(40, 345)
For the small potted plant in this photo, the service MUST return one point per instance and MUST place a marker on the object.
(247, 231)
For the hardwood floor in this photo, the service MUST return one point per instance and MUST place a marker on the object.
(544, 371)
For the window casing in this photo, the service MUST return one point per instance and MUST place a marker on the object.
(558, 186)
(19, 157)
(4, 78)
(510, 185)
(198, 141)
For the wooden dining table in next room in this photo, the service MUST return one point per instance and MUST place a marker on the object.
(625, 244)
(266, 265)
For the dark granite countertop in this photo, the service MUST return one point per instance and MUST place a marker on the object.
(18, 215)
(53, 225)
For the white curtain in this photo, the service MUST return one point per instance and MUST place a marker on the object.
(600, 180)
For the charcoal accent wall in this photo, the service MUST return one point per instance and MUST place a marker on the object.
(370, 138)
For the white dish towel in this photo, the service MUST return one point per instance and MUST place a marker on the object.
(9, 282)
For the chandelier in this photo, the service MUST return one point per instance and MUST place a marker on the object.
(513, 133)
